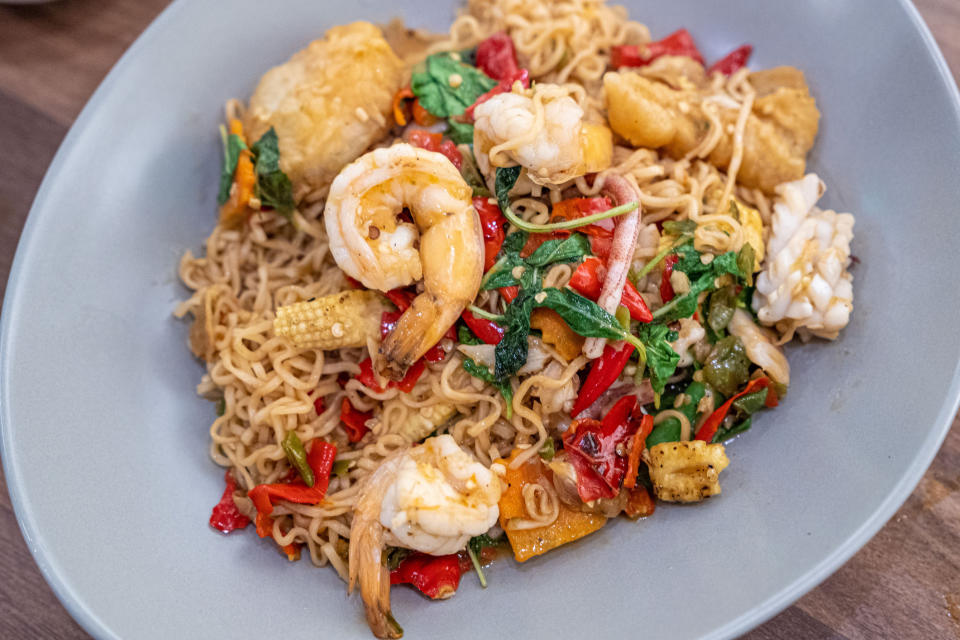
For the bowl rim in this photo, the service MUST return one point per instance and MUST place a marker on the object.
(91, 622)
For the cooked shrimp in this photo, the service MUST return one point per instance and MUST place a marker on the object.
(366, 545)
(431, 498)
(443, 246)
(621, 252)
(543, 130)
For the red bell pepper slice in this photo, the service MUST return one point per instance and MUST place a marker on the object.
(366, 376)
(534, 240)
(590, 485)
(492, 223)
(406, 384)
(504, 86)
(666, 289)
(409, 380)
(588, 279)
(436, 577)
(497, 57)
(678, 43)
(225, 516)
(354, 421)
(600, 233)
(435, 353)
(320, 458)
(509, 293)
(318, 405)
(401, 298)
(636, 450)
(732, 62)
(709, 428)
(600, 246)
(605, 370)
(592, 446)
(434, 142)
(574, 208)
(487, 330)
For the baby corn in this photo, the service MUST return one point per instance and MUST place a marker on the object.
(345, 319)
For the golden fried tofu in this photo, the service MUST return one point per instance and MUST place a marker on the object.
(686, 471)
(328, 103)
(780, 129)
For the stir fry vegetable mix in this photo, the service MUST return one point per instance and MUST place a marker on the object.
(602, 457)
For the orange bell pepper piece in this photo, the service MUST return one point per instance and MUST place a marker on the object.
(556, 332)
(233, 211)
(570, 525)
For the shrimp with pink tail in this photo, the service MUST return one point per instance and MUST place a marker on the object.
(621, 252)
(442, 246)
(431, 498)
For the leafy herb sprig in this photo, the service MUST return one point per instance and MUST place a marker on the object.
(273, 187)
(445, 86)
(506, 178)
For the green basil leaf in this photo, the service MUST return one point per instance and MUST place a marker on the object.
(480, 542)
(573, 247)
(506, 178)
(502, 385)
(722, 435)
(460, 132)
(752, 402)
(465, 336)
(501, 274)
(680, 307)
(514, 242)
(726, 263)
(667, 431)
(432, 86)
(661, 358)
(232, 146)
(511, 351)
(273, 187)
(679, 227)
(584, 316)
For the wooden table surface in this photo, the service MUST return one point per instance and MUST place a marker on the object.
(905, 583)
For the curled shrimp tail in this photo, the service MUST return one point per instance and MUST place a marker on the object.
(419, 328)
(366, 547)
(621, 252)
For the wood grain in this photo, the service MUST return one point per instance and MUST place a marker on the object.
(905, 583)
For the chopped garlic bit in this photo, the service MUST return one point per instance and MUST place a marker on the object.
(805, 286)
(455, 80)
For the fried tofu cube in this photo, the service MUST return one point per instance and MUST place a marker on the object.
(686, 471)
